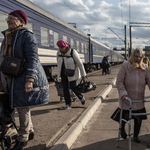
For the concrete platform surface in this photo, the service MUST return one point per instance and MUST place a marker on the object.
(101, 132)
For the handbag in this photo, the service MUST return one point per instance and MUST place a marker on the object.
(12, 66)
(69, 72)
(85, 86)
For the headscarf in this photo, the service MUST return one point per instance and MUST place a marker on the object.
(134, 64)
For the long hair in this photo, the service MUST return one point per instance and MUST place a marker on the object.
(134, 64)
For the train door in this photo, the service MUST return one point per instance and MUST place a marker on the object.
(90, 51)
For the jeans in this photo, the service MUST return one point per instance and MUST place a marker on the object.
(69, 85)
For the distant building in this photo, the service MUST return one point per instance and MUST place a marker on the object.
(147, 51)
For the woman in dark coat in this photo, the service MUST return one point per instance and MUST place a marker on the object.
(31, 87)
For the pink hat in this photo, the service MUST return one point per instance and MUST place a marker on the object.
(62, 43)
(21, 15)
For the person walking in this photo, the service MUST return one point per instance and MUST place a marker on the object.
(131, 80)
(31, 86)
(68, 61)
(105, 65)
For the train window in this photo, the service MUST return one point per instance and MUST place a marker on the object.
(56, 38)
(29, 25)
(65, 38)
(96, 51)
(78, 46)
(104, 53)
(3, 23)
(72, 42)
(82, 48)
(44, 36)
(85, 48)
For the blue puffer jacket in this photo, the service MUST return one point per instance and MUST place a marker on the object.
(25, 47)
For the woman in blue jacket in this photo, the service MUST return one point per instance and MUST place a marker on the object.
(31, 87)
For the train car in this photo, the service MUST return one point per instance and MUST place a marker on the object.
(98, 50)
(48, 29)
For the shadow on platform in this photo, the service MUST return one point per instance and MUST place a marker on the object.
(111, 144)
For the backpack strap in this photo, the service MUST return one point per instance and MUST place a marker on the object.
(71, 54)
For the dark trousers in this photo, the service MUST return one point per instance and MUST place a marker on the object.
(137, 126)
(69, 85)
(105, 69)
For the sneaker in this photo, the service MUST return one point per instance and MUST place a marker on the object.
(83, 100)
(68, 107)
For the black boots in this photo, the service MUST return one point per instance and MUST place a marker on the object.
(136, 139)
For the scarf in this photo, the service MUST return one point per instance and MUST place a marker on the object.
(8, 40)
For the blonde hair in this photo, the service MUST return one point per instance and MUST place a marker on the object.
(134, 64)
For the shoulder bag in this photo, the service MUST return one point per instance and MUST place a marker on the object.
(12, 66)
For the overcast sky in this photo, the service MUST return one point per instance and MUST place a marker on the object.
(95, 17)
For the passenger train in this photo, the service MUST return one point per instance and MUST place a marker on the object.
(48, 29)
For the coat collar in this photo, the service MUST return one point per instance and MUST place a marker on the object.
(22, 29)
(129, 66)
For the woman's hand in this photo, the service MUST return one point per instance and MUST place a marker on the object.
(123, 97)
(28, 86)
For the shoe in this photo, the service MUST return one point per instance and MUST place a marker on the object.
(83, 100)
(68, 107)
(123, 134)
(31, 136)
(19, 145)
(137, 139)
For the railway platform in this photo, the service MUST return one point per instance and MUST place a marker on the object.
(51, 121)
(101, 132)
